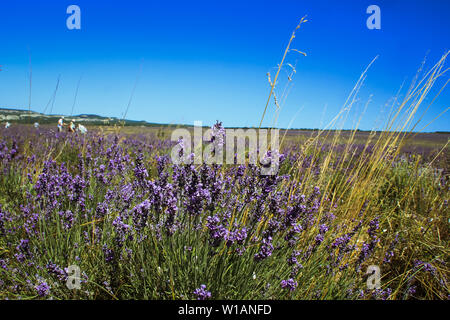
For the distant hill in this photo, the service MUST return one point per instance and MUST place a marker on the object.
(24, 116)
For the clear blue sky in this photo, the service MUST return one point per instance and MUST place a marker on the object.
(207, 60)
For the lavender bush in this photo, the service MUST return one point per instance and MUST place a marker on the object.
(140, 227)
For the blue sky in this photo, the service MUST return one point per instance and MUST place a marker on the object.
(207, 60)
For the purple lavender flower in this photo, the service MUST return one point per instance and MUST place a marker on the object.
(293, 258)
(140, 214)
(412, 290)
(381, 294)
(109, 254)
(426, 266)
(218, 134)
(323, 228)
(67, 219)
(202, 293)
(43, 289)
(121, 228)
(54, 269)
(374, 225)
(23, 250)
(319, 239)
(289, 284)
(390, 252)
(265, 250)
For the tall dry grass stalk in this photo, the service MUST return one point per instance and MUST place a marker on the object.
(357, 193)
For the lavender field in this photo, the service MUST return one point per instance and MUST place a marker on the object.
(105, 196)
(140, 227)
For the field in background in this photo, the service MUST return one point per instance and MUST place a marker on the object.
(427, 145)
(138, 227)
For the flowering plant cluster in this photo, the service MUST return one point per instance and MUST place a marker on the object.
(139, 226)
